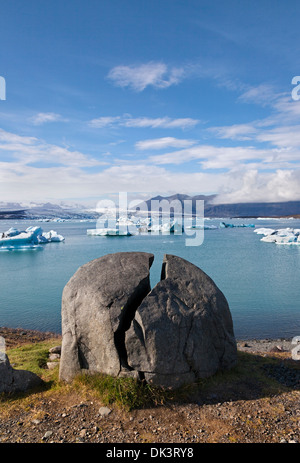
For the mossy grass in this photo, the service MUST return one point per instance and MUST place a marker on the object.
(33, 357)
(125, 393)
(129, 394)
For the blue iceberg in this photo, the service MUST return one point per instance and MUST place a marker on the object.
(239, 225)
(32, 236)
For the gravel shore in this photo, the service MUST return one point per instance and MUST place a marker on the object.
(232, 413)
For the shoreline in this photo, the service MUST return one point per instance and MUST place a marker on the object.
(17, 336)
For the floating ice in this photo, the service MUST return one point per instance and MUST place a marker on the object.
(52, 237)
(264, 231)
(14, 238)
(232, 225)
(108, 232)
(288, 236)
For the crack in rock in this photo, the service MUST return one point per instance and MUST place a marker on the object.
(177, 332)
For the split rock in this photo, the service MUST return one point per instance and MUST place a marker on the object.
(113, 323)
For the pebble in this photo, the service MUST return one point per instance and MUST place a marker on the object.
(52, 365)
(104, 411)
(83, 432)
(36, 421)
(55, 350)
(54, 357)
(47, 434)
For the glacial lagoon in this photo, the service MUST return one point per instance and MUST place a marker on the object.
(259, 279)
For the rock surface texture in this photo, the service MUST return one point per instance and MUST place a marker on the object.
(98, 304)
(113, 323)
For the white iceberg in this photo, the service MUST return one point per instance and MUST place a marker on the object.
(29, 237)
(108, 232)
(52, 237)
(287, 236)
(166, 228)
(264, 231)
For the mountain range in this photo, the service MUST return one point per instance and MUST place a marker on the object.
(49, 210)
(243, 210)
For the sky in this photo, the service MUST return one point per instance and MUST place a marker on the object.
(149, 97)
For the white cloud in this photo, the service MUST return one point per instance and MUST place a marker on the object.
(212, 157)
(164, 122)
(157, 75)
(263, 94)
(254, 186)
(105, 121)
(8, 137)
(161, 143)
(143, 122)
(235, 132)
(34, 183)
(26, 150)
(43, 118)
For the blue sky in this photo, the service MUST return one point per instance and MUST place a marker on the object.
(149, 97)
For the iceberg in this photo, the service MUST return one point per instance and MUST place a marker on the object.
(201, 227)
(108, 232)
(287, 236)
(232, 225)
(29, 237)
(166, 228)
(52, 237)
(264, 231)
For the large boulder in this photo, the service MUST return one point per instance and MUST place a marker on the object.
(183, 329)
(114, 324)
(98, 304)
(13, 381)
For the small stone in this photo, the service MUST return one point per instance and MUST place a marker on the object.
(36, 421)
(55, 350)
(52, 365)
(104, 411)
(54, 357)
(82, 433)
(47, 434)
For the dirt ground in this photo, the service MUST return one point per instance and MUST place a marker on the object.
(239, 412)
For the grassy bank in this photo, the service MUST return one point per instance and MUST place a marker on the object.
(250, 403)
(250, 378)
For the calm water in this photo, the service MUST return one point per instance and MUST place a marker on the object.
(260, 280)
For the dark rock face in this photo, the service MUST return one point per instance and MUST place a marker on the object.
(12, 380)
(113, 323)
